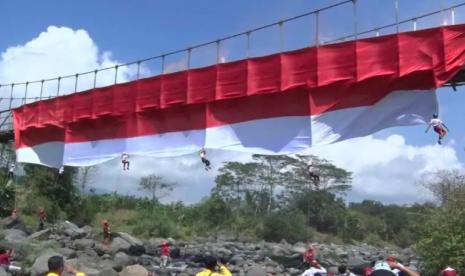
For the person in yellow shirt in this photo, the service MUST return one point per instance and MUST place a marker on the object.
(56, 267)
(211, 265)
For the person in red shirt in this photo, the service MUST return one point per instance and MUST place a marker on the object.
(42, 218)
(106, 232)
(5, 260)
(309, 255)
(165, 253)
(449, 271)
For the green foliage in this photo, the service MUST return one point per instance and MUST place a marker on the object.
(290, 226)
(7, 194)
(443, 230)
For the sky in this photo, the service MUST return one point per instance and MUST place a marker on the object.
(50, 38)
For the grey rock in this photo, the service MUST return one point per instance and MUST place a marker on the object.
(13, 223)
(136, 246)
(122, 259)
(134, 270)
(355, 261)
(40, 265)
(14, 235)
(108, 272)
(82, 244)
(119, 245)
(67, 252)
(72, 230)
(3, 272)
(40, 235)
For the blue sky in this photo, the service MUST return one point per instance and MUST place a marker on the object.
(120, 31)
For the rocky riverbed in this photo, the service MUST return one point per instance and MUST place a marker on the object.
(128, 255)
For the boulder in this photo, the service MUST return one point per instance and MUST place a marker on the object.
(102, 249)
(72, 230)
(82, 244)
(118, 244)
(136, 246)
(13, 223)
(40, 265)
(355, 261)
(122, 259)
(40, 235)
(134, 270)
(108, 272)
(14, 235)
(67, 252)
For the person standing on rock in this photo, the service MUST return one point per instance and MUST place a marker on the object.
(56, 267)
(315, 269)
(106, 232)
(213, 268)
(165, 254)
(42, 218)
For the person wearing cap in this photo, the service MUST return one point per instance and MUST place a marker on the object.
(315, 269)
(439, 127)
(165, 253)
(57, 266)
(106, 231)
(449, 271)
(392, 268)
(213, 268)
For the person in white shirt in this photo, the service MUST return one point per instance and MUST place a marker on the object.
(125, 161)
(203, 157)
(11, 170)
(439, 127)
(315, 270)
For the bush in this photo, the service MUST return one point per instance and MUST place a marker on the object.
(290, 226)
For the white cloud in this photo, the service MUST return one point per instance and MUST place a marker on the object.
(388, 169)
(59, 51)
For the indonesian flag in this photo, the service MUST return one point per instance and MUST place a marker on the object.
(278, 104)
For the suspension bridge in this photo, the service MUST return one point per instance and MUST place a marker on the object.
(17, 94)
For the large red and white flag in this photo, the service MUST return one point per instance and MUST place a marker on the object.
(283, 103)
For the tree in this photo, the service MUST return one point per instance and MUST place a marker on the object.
(444, 184)
(332, 179)
(44, 188)
(84, 176)
(443, 239)
(253, 184)
(156, 187)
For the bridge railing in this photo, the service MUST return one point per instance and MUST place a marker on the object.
(307, 29)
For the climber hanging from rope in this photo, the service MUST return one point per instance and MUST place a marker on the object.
(125, 161)
(312, 172)
(11, 170)
(439, 127)
(203, 157)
